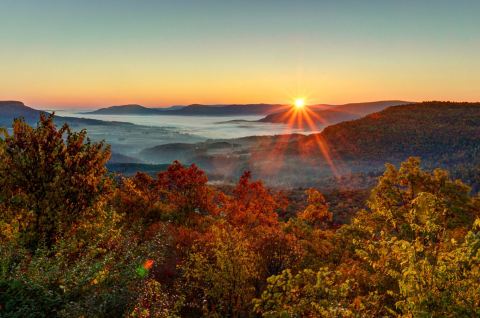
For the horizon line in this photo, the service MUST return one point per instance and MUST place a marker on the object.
(100, 106)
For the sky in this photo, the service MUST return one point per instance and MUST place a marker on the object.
(90, 53)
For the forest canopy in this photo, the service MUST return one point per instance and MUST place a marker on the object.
(77, 241)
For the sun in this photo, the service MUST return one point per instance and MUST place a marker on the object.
(299, 103)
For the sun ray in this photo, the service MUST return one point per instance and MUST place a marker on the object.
(298, 117)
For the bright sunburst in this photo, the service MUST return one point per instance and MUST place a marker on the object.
(299, 103)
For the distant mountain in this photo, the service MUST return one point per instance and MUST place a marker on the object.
(170, 152)
(316, 116)
(170, 107)
(132, 109)
(228, 110)
(126, 139)
(9, 110)
(193, 110)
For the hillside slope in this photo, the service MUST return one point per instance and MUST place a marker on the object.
(430, 130)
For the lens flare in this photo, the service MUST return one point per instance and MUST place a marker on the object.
(143, 270)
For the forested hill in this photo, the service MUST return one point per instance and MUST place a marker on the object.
(441, 130)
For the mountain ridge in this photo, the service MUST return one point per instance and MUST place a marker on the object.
(272, 112)
(192, 110)
(10, 110)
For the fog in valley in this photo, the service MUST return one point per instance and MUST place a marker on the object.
(162, 139)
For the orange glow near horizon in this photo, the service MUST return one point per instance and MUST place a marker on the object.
(86, 92)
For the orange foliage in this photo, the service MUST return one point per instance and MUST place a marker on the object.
(186, 188)
(252, 204)
(316, 213)
(180, 194)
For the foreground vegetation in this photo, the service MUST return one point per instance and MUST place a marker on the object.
(78, 242)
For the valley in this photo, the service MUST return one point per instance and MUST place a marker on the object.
(283, 155)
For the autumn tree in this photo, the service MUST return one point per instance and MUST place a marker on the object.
(446, 286)
(75, 243)
(61, 245)
(186, 189)
(316, 213)
(397, 192)
(139, 200)
(253, 209)
(313, 231)
(412, 255)
(414, 221)
(219, 274)
(252, 204)
(53, 175)
(154, 302)
(308, 293)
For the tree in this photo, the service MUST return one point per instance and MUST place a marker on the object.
(405, 238)
(220, 273)
(313, 231)
(186, 189)
(154, 302)
(446, 286)
(316, 213)
(140, 200)
(252, 204)
(392, 200)
(55, 175)
(306, 294)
